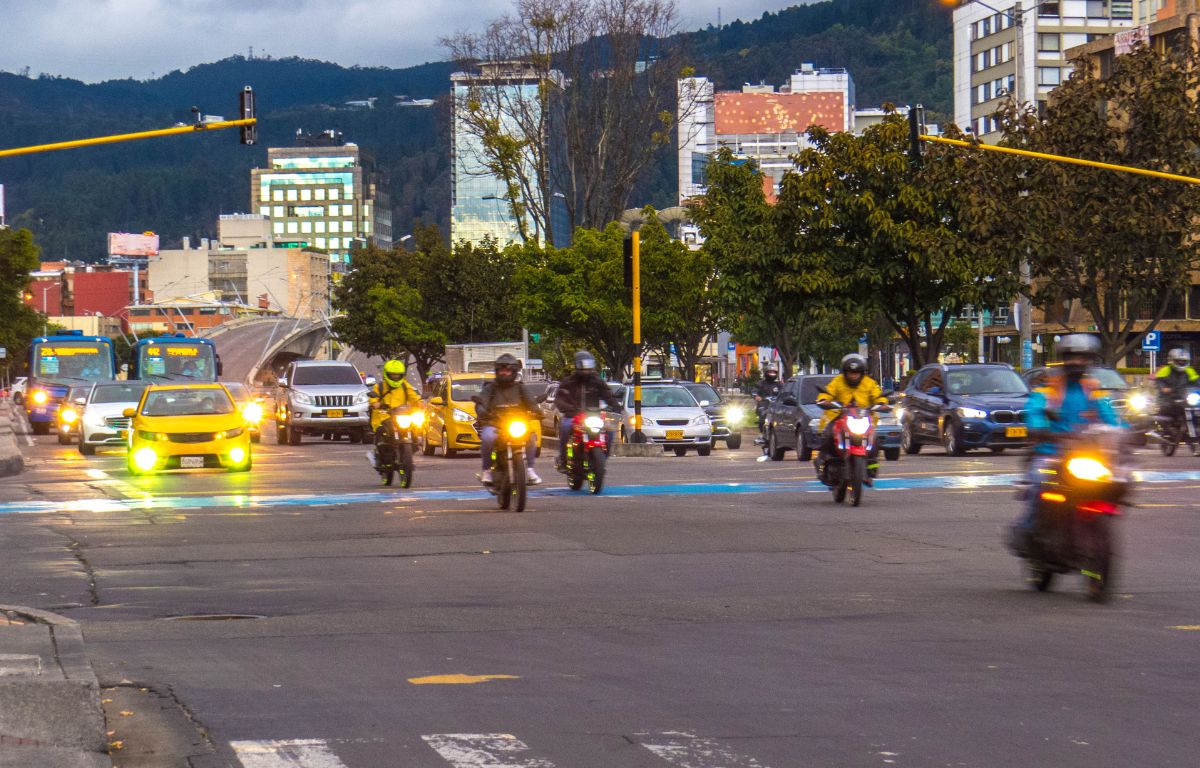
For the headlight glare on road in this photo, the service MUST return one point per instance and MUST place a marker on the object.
(238, 455)
(972, 413)
(1139, 402)
(1086, 468)
(858, 425)
(594, 423)
(39, 397)
(252, 413)
(517, 429)
(145, 459)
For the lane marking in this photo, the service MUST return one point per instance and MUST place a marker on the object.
(26, 428)
(1187, 627)
(458, 679)
(687, 750)
(483, 750)
(299, 753)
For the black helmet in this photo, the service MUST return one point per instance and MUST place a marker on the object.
(507, 367)
(584, 361)
(854, 363)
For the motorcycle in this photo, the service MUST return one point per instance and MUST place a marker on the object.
(395, 444)
(1078, 503)
(509, 483)
(761, 405)
(853, 443)
(587, 452)
(1176, 423)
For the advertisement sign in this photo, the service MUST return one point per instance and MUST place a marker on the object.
(126, 244)
(1129, 39)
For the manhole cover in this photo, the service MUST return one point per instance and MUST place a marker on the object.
(215, 617)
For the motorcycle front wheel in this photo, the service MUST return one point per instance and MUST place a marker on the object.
(516, 483)
(575, 470)
(404, 460)
(858, 476)
(839, 483)
(595, 470)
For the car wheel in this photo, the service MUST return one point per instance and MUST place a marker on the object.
(803, 450)
(87, 450)
(908, 441)
(294, 436)
(705, 451)
(997, 449)
(64, 438)
(734, 441)
(447, 451)
(773, 449)
(256, 437)
(891, 454)
(681, 451)
(281, 436)
(356, 436)
(951, 440)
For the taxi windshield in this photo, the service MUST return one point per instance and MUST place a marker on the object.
(73, 361)
(187, 402)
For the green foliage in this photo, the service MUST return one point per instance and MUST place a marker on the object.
(962, 339)
(18, 322)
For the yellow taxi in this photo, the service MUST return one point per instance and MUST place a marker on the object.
(187, 426)
(450, 413)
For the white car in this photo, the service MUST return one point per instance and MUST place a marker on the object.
(671, 417)
(103, 423)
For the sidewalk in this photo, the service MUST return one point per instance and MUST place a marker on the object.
(11, 461)
(50, 713)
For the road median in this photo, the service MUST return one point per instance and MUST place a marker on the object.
(11, 460)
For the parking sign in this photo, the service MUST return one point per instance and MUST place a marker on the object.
(1152, 341)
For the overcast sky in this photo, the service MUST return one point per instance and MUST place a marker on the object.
(96, 40)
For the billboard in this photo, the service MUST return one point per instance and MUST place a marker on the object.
(125, 244)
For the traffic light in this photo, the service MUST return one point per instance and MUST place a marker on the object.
(916, 128)
(246, 112)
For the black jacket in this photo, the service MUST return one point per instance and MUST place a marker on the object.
(585, 391)
(497, 396)
(766, 388)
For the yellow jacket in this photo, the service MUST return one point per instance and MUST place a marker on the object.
(866, 394)
(384, 398)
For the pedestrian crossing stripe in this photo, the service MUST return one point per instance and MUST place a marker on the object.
(492, 750)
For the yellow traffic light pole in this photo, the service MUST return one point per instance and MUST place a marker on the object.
(175, 131)
(638, 436)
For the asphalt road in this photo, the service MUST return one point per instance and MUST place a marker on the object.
(703, 613)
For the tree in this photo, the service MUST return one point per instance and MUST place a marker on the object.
(1123, 246)
(862, 227)
(597, 100)
(19, 323)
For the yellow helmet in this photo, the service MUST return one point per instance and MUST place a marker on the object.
(393, 371)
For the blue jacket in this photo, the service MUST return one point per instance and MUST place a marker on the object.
(1062, 406)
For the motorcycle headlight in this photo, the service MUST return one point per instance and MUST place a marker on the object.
(517, 429)
(734, 415)
(39, 397)
(594, 423)
(302, 398)
(1139, 402)
(252, 412)
(1193, 399)
(972, 413)
(858, 425)
(361, 397)
(418, 418)
(462, 416)
(404, 420)
(1086, 468)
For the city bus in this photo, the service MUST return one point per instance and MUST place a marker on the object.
(175, 358)
(59, 362)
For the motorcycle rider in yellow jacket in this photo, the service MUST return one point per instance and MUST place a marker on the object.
(391, 391)
(851, 387)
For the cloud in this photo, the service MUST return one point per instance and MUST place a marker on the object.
(97, 40)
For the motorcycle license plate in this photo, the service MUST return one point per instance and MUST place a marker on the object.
(191, 462)
(1016, 432)
(674, 434)
(336, 414)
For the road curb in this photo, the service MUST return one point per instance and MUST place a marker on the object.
(50, 714)
(11, 460)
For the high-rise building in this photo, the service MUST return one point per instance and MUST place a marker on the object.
(479, 199)
(322, 196)
(987, 50)
(758, 122)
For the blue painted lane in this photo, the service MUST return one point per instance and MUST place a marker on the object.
(250, 501)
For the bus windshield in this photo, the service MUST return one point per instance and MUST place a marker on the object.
(177, 361)
(72, 361)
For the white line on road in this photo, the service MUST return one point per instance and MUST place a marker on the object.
(26, 429)
(300, 753)
(483, 750)
(686, 750)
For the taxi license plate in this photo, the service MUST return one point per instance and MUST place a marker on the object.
(191, 462)
(674, 434)
(1016, 432)
(337, 414)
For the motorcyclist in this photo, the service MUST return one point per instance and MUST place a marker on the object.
(505, 392)
(1068, 399)
(391, 391)
(851, 387)
(580, 391)
(767, 388)
(1174, 381)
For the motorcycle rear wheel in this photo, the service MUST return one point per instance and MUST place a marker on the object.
(1039, 577)
(1100, 558)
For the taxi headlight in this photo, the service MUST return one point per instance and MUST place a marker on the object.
(156, 436)
(145, 459)
(858, 425)
(462, 416)
(594, 423)
(517, 429)
(238, 455)
(40, 397)
(252, 412)
(1086, 468)
(229, 433)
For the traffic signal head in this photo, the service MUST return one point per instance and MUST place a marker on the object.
(246, 112)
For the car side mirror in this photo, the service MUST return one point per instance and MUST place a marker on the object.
(437, 401)
(220, 366)
(789, 400)
(371, 381)
(81, 401)
(129, 413)
(283, 382)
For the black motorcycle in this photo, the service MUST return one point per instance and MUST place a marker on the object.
(1176, 423)
(509, 482)
(395, 444)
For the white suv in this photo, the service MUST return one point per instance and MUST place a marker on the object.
(318, 397)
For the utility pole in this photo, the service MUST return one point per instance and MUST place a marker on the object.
(638, 435)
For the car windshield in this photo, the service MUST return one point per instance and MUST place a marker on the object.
(1109, 379)
(118, 393)
(238, 391)
(465, 389)
(665, 397)
(325, 374)
(705, 392)
(811, 386)
(984, 381)
(187, 402)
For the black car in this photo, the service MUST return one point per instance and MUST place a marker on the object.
(726, 418)
(793, 421)
(965, 406)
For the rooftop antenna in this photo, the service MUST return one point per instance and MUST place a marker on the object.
(718, 17)
(252, 53)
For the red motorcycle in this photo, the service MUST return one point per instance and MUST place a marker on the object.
(587, 452)
(853, 443)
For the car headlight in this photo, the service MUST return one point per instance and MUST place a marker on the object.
(858, 425)
(362, 397)
(1193, 399)
(229, 433)
(972, 413)
(252, 412)
(68, 416)
(145, 459)
(899, 413)
(302, 398)
(1086, 468)
(734, 415)
(418, 418)
(517, 429)
(238, 455)
(814, 424)
(462, 416)
(154, 436)
(1139, 402)
(39, 397)
(594, 423)
(699, 420)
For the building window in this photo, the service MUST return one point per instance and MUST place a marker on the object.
(292, 196)
(306, 227)
(264, 194)
(292, 227)
(335, 242)
(347, 210)
(277, 195)
(1048, 8)
(320, 242)
(306, 194)
(320, 193)
(1049, 76)
(320, 227)
(278, 227)
(279, 213)
(1194, 302)
(335, 226)
(1049, 42)
(334, 193)
(264, 210)
(347, 226)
